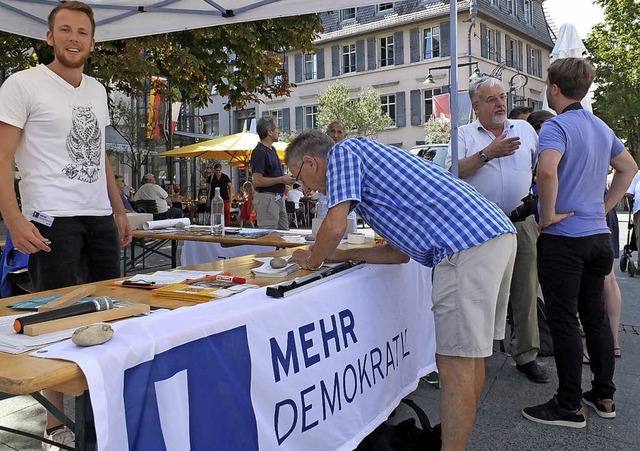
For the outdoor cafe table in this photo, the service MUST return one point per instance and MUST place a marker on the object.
(323, 366)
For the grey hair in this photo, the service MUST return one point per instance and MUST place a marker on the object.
(310, 142)
(265, 125)
(487, 81)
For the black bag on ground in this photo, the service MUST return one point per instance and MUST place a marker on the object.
(404, 436)
(546, 342)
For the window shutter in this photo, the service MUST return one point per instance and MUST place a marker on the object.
(401, 117)
(360, 55)
(371, 53)
(530, 69)
(298, 68)
(320, 62)
(415, 98)
(508, 54)
(484, 42)
(520, 57)
(335, 61)
(499, 46)
(539, 73)
(286, 120)
(445, 44)
(414, 45)
(398, 48)
(299, 119)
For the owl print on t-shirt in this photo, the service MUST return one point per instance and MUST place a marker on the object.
(83, 145)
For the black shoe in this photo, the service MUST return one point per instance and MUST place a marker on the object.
(552, 414)
(534, 372)
(605, 408)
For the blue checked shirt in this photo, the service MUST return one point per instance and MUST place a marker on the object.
(414, 204)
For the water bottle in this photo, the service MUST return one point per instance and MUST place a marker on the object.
(217, 214)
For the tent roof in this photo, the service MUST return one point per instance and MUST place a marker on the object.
(121, 19)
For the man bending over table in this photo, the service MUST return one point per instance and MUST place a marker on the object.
(427, 214)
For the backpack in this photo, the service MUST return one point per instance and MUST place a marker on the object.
(12, 260)
(404, 436)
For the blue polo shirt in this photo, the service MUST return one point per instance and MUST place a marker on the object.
(587, 146)
(413, 203)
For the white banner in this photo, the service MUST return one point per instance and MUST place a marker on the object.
(324, 366)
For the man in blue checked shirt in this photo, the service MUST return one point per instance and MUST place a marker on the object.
(424, 213)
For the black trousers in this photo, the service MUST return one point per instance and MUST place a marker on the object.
(571, 273)
(83, 249)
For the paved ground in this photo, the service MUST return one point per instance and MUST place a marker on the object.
(499, 424)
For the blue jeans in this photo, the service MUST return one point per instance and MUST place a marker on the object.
(571, 273)
(84, 249)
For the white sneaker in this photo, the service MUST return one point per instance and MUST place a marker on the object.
(63, 436)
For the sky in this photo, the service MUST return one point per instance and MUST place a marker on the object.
(582, 13)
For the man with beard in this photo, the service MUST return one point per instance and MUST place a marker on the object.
(268, 178)
(496, 157)
(574, 248)
(52, 120)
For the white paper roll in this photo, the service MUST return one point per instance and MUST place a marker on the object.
(179, 223)
(356, 238)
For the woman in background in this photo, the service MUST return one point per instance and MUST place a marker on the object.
(247, 213)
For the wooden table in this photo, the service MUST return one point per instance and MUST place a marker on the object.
(151, 242)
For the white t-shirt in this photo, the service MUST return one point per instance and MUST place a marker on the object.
(151, 191)
(634, 189)
(61, 151)
(294, 196)
(504, 181)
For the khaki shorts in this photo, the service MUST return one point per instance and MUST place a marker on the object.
(470, 295)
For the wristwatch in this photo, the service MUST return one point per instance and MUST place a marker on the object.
(483, 156)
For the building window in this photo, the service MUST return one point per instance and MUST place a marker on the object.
(348, 58)
(528, 14)
(431, 42)
(511, 53)
(211, 124)
(311, 116)
(512, 7)
(388, 103)
(492, 45)
(386, 51)
(428, 102)
(535, 67)
(384, 7)
(495, 2)
(277, 114)
(310, 66)
(347, 14)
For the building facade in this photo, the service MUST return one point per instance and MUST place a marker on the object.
(392, 47)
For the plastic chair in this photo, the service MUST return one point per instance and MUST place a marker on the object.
(14, 277)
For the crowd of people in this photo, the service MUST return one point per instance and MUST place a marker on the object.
(484, 248)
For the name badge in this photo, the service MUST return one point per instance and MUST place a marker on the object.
(42, 218)
(277, 198)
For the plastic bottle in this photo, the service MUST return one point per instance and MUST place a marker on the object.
(217, 214)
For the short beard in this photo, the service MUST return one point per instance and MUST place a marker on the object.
(70, 64)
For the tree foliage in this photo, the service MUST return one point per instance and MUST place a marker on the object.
(615, 51)
(243, 60)
(17, 54)
(437, 131)
(362, 116)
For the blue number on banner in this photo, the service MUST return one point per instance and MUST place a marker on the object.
(219, 385)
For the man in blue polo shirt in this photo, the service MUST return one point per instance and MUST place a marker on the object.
(424, 213)
(574, 249)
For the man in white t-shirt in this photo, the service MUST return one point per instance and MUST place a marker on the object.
(52, 121)
(633, 193)
(150, 190)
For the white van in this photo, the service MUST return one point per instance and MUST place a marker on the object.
(432, 152)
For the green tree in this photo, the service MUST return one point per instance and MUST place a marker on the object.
(437, 131)
(361, 117)
(17, 54)
(615, 51)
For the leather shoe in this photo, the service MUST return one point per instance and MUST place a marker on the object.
(534, 372)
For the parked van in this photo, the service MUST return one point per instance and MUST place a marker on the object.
(432, 152)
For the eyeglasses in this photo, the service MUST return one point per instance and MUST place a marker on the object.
(492, 99)
(299, 171)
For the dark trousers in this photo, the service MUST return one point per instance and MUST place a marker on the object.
(571, 273)
(83, 249)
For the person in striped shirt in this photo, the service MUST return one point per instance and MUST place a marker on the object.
(427, 214)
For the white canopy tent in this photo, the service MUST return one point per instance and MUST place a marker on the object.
(121, 19)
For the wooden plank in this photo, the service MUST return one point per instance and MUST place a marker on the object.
(69, 298)
(84, 319)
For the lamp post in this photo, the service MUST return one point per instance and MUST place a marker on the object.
(430, 83)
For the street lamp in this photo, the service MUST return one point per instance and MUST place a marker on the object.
(430, 83)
